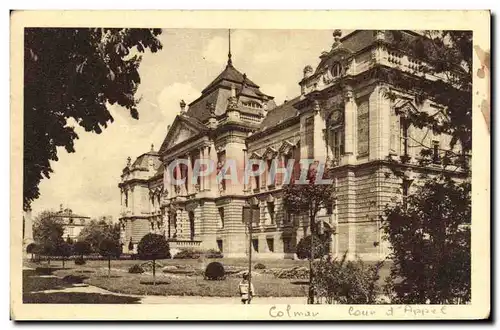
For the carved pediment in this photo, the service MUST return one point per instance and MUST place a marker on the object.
(270, 153)
(286, 148)
(255, 155)
(180, 131)
(404, 108)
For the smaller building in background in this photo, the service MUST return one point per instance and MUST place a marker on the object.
(72, 223)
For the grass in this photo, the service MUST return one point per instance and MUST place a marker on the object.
(140, 284)
(266, 285)
(36, 281)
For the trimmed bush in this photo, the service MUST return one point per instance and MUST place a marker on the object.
(80, 261)
(259, 266)
(214, 254)
(188, 254)
(136, 269)
(303, 249)
(152, 247)
(215, 271)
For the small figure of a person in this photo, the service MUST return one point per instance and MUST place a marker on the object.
(246, 290)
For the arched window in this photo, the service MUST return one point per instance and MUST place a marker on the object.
(336, 69)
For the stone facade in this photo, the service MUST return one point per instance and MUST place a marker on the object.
(342, 116)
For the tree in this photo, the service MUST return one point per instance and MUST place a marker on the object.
(81, 248)
(320, 249)
(75, 73)
(47, 233)
(110, 248)
(64, 250)
(447, 54)
(430, 238)
(310, 199)
(152, 247)
(95, 231)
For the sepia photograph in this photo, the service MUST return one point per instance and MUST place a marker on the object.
(296, 169)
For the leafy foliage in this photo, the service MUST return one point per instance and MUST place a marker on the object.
(31, 248)
(214, 254)
(75, 73)
(81, 248)
(96, 231)
(346, 282)
(430, 238)
(259, 266)
(110, 248)
(80, 261)
(447, 54)
(153, 246)
(47, 233)
(215, 271)
(321, 244)
(136, 269)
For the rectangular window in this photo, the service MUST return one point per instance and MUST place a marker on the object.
(221, 217)
(435, 152)
(268, 171)
(270, 210)
(255, 168)
(270, 244)
(363, 128)
(404, 137)
(255, 244)
(220, 245)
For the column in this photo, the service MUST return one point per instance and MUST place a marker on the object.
(202, 159)
(28, 228)
(319, 135)
(178, 188)
(212, 179)
(350, 126)
(189, 176)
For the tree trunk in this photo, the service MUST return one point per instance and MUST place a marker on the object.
(109, 267)
(310, 299)
(48, 259)
(154, 274)
(63, 262)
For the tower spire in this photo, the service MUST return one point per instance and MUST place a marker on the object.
(229, 61)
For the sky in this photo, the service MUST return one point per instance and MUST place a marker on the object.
(87, 181)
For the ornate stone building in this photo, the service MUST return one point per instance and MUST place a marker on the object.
(342, 116)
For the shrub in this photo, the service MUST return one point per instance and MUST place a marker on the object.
(296, 273)
(188, 254)
(259, 266)
(215, 271)
(320, 247)
(346, 282)
(214, 254)
(136, 269)
(80, 261)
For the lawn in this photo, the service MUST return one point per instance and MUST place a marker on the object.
(266, 285)
(172, 285)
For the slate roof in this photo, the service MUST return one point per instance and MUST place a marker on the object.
(219, 90)
(279, 114)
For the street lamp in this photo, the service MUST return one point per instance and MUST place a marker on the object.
(252, 202)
